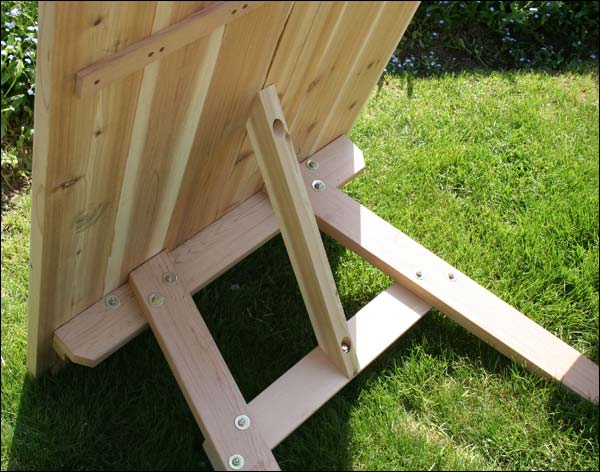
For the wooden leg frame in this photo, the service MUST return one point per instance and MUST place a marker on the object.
(301, 199)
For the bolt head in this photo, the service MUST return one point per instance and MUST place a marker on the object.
(112, 301)
(312, 165)
(170, 278)
(419, 274)
(155, 299)
(236, 462)
(451, 276)
(318, 185)
(242, 422)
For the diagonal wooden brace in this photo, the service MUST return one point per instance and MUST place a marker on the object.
(278, 164)
(200, 370)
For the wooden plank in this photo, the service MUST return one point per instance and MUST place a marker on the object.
(100, 330)
(150, 190)
(279, 168)
(200, 370)
(242, 65)
(81, 161)
(160, 44)
(309, 384)
(452, 292)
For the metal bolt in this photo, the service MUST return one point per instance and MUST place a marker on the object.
(345, 346)
(452, 277)
(242, 422)
(312, 165)
(236, 462)
(419, 275)
(170, 278)
(156, 299)
(318, 185)
(112, 301)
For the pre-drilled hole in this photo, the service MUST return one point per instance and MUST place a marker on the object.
(245, 6)
(346, 345)
(96, 82)
(234, 12)
(278, 127)
(161, 49)
(151, 53)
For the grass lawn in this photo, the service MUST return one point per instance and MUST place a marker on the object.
(498, 174)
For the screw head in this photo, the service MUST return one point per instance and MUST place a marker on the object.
(155, 299)
(112, 301)
(318, 185)
(452, 277)
(242, 422)
(312, 165)
(236, 462)
(345, 347)
(419, 275)
(170, 278)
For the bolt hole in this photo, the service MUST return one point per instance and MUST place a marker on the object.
(151, 53)
(279, 127)
(346, 345)
(245, 6)
(161, 49)
(96, 82)
(234, 12)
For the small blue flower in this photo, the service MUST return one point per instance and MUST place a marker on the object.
(434, 34)
(504, 20)
(15, 12)
(27, 60)
(593, 56)
(3, 52)
(547, 14)
(3, 43)
(543, 49)
(441, 22)
(492, 9)
(10, 47)
(548, 4)
(32, 28)
(533, 9)
(9, 24)
(29, 91)
(521, 59)
(18, 39)
(10, 57)
(536, 16)
(34, 40)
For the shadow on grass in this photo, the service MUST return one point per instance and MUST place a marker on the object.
(128, 412)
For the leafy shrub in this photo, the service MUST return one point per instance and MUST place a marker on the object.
(19, 40)
(447, 35)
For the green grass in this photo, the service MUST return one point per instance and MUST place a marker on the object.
(498, 174)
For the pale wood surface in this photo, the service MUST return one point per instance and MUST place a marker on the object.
(200, 370)
(157, 155)
(302, 390)
(160, 44)
(97, 332)
(465, 301)
(279, 168)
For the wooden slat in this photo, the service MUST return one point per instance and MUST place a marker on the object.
(156, 161)
(279, 168)
(80, 158)
(303, 389)
(465, 301)
(242, 65)
(200, 370)
(97, 332)
(159, 45)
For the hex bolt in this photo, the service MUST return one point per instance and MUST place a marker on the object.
(112, 301)
(236, 461)
(242, 422)
(346, 346)
(318, 185)
(419, 275)
(452, 277)
(312, 165)
(170, 278)
(155, 299)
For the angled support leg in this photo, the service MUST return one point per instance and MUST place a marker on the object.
(452, 292)
(278, 164)
(201, 372)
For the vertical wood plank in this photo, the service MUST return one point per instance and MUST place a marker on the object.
(278, 165)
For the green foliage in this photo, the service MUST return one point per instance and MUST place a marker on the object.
(448, 35)
(498, 174)
(19, 40)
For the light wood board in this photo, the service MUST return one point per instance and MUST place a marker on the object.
(159, 153)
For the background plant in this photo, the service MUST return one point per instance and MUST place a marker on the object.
(19, 41)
